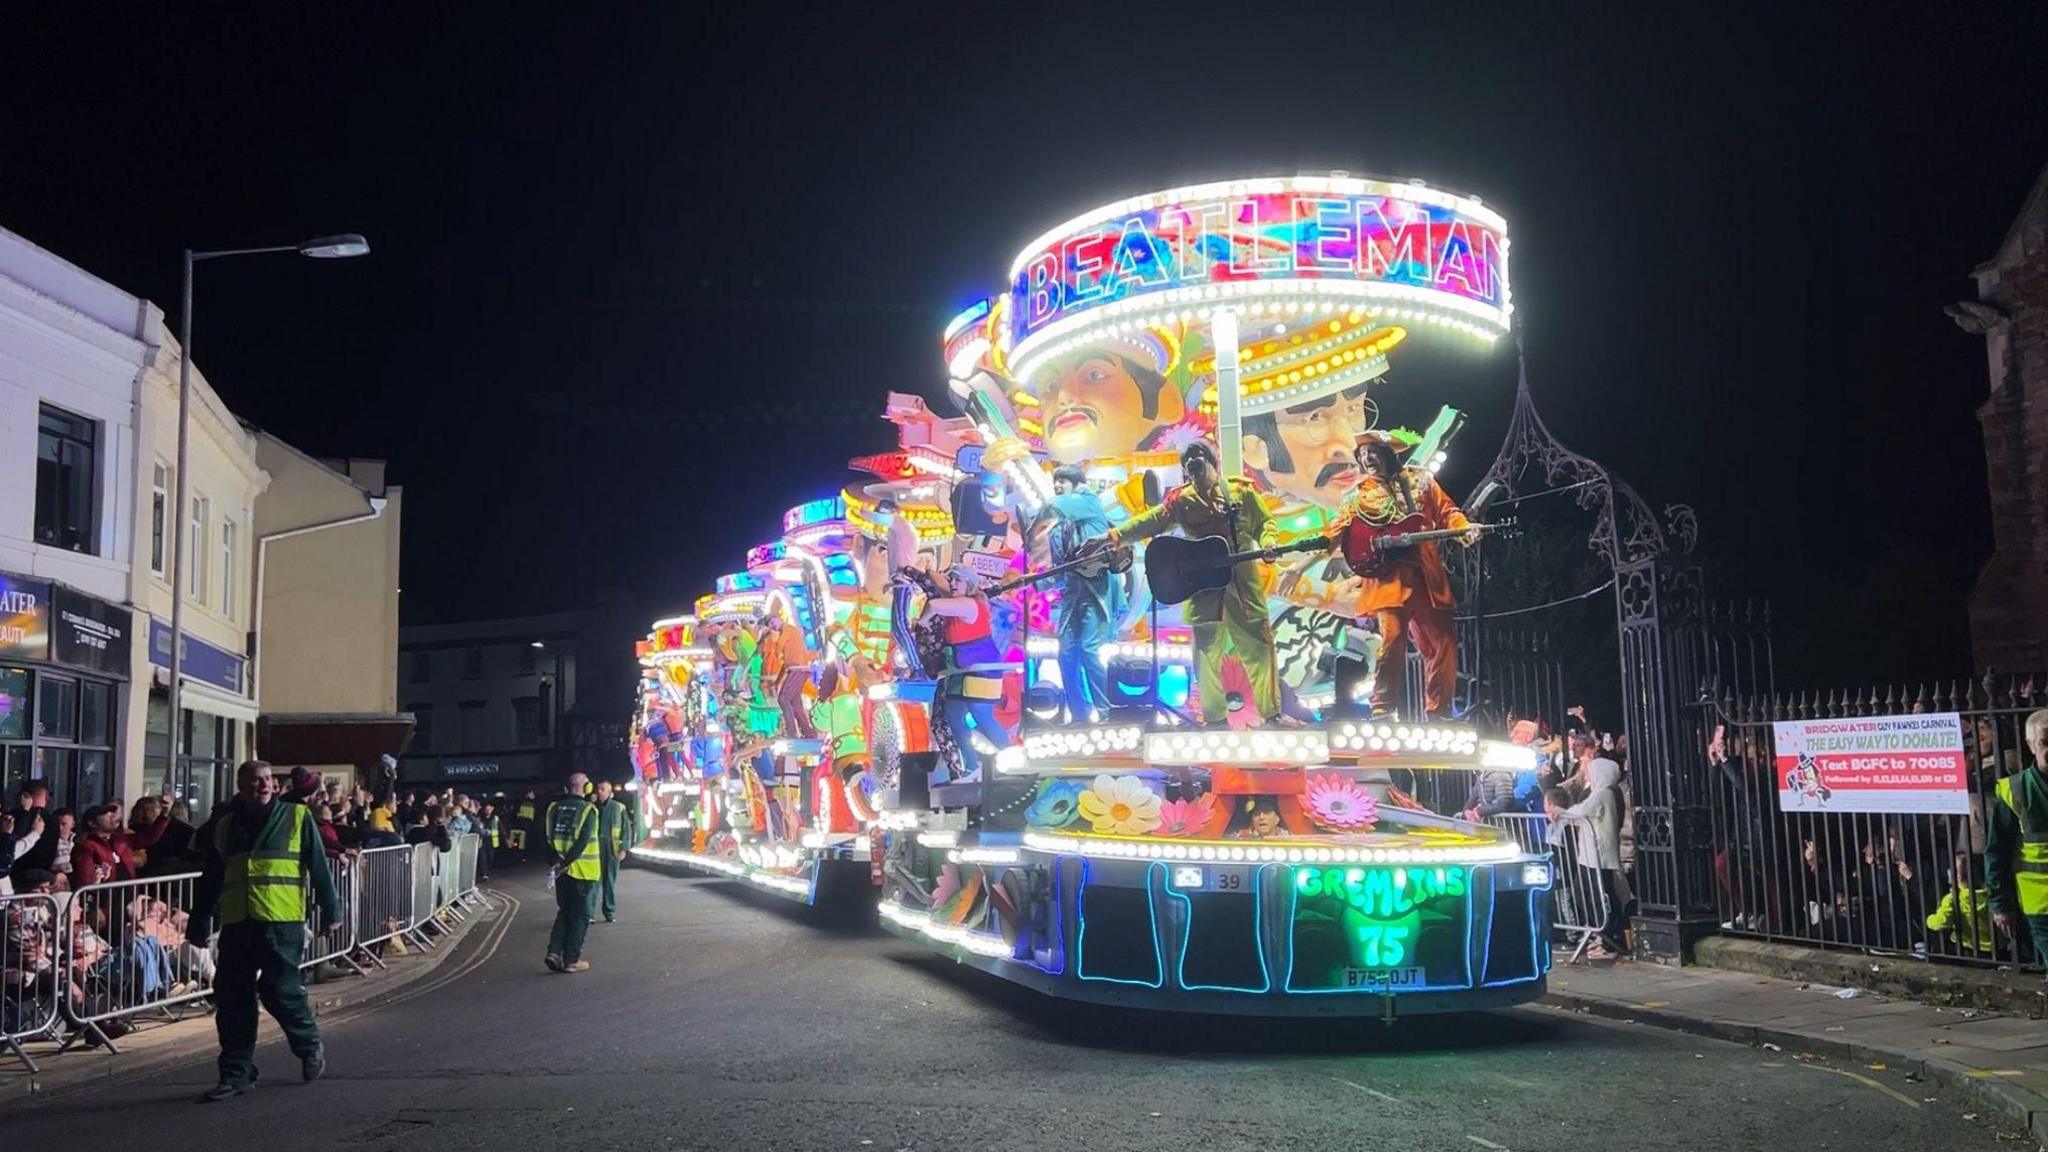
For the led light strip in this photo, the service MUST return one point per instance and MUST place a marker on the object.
(1263, 745)
(1059, 743)
(1396, 301)
(1207, 852)
(738, 871)
(975, 942)
(985, 856)
(1047, 647)
(1359, 736)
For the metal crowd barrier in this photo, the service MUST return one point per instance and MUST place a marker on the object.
(384, 898)
(327, 941)
(468, 847)
(127, 953)
(31, 970)
(1579, 903)
(426, 878)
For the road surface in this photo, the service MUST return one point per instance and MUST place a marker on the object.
(719, 1019)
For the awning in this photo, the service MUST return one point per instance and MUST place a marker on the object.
(357, 738)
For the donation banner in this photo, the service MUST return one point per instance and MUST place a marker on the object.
(1873, 764)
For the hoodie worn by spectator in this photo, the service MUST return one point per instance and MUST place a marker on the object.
(1966, 913)
(435, 834)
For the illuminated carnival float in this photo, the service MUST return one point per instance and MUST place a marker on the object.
(1029, 750)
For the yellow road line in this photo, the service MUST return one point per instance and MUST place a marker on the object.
(1867, 1082)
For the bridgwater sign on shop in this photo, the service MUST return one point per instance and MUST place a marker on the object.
(1873, 764)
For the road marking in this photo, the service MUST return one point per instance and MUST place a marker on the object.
(1372, 1092)
(1993, 1073)
(1867, 1082)
(1483, 1142)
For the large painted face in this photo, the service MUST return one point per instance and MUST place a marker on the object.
(1313, 463)
(1095, 407)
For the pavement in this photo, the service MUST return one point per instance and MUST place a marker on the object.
(170, 1040)
(1997, 1059)
(719, 1018)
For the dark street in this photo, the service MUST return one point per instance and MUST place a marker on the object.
(718, 1020)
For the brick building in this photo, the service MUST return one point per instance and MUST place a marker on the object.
(2009, 605)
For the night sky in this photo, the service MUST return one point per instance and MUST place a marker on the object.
(639, 282)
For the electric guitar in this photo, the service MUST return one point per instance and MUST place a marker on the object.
(1370, 548)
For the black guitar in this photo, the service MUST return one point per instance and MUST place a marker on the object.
(1177, 568)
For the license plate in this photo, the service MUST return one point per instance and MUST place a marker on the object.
(1197, 878)
(1388, 978)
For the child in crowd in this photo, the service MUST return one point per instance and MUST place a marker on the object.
(1965, 913)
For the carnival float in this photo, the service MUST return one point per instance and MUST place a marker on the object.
(956, 691)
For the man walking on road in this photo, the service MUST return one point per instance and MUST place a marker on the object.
(2016, 849)
(574, 848)
(615, 834)
(260, 855)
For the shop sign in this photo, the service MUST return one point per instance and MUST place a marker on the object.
(475, 770)
(89, 633)
(24, 618)
(200, 661)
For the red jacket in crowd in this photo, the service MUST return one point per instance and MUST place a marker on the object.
(97, 860)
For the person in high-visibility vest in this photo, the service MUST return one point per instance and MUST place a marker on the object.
(261, 855)
(2016, 846)
(615, 833)
(525, 825)
(487, 821)
(574, 849)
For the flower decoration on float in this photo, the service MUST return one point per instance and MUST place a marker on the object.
(1340, 803)
(1120, 805)
(1056, 806)
(1187, 817)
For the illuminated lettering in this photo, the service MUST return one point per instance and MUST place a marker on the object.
(1328, 235)
(1041, 289)
(1456, 261)
(1247, 253)
(1393, 240)
(1203, 228)
(1138, 259)
(1084, 284)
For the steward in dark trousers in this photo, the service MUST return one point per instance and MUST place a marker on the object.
(615, 834)
(573, 852)
(259, 856)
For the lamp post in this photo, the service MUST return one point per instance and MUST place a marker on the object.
(320, 248)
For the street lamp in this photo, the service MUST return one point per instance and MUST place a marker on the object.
(339, 247)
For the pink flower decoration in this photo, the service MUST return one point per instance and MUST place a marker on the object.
(1186, 817)
(1339, 802)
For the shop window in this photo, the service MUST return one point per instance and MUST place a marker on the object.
(526, 721)
(422, 667)
(472, 664)
(56, 707)
(16, 706)
(528, 657)
(96, 712)
(65, 451)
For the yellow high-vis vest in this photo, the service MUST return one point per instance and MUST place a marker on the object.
(2030, 874)
(566, 820)
(265, 883)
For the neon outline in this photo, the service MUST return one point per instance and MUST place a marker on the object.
(1151, 921)
(1187, 934)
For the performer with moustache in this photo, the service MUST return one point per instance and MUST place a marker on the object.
(1226, 620)
(1410, 596)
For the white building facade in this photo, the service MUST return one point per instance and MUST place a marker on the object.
(88, 446)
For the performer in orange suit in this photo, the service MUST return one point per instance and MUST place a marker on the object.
(1411, 595)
